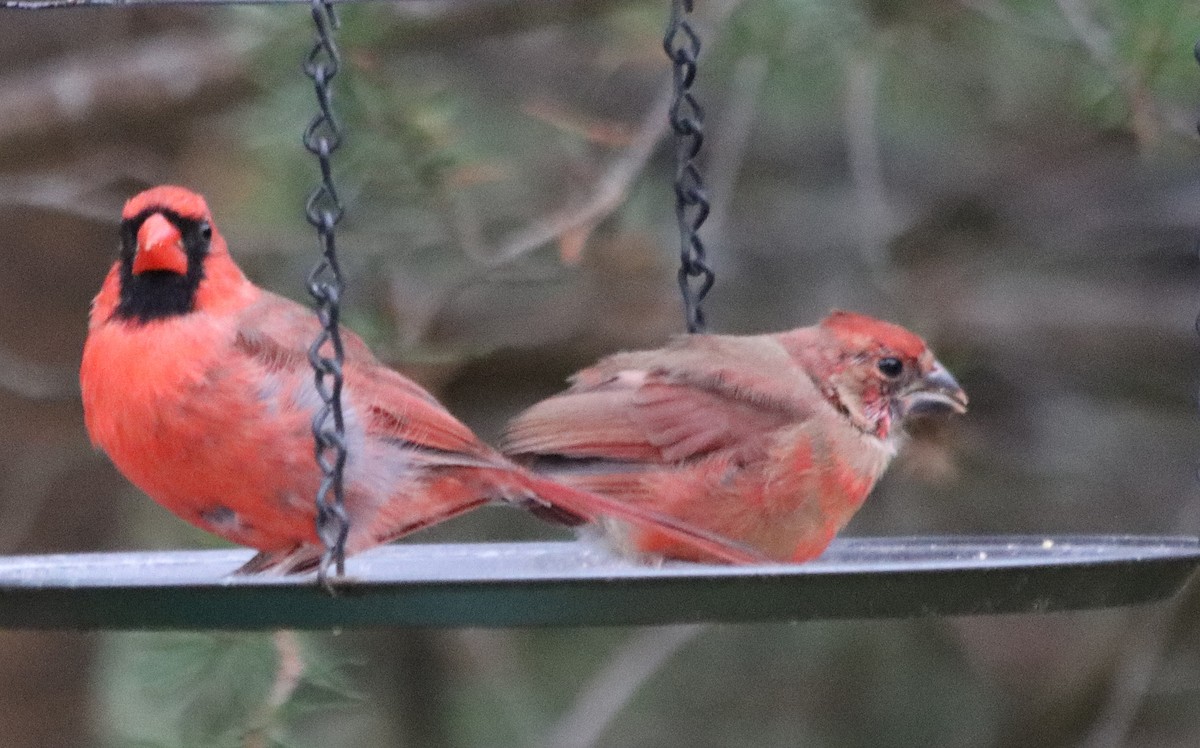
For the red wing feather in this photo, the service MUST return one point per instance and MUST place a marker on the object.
(692, 399)
(277, 332)
(583, 424)
(393, 411)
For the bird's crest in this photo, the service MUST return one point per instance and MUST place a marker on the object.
(180, 200)
(854, 328)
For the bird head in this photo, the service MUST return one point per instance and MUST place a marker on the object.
(169, 249)
(879, 374)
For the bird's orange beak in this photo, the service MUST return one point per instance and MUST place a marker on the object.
(936, 392)
(159, 247)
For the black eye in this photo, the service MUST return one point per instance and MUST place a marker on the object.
(205, 231)
(890, 367)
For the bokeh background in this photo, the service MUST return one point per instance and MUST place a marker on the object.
(1015, 179)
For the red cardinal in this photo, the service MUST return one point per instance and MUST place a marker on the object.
(197, 384)
(772, 440)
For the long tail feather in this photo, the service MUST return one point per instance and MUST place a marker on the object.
(589, 505)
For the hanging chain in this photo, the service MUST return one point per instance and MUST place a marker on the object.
(696, 278)
(323, 210)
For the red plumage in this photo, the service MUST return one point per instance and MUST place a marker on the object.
(771, 440)
(197, 385)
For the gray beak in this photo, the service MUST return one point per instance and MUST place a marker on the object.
(935, 393)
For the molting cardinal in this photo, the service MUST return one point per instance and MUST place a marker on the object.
(197, 385)
(771, 440)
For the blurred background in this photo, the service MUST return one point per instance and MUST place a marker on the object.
(1016, 180)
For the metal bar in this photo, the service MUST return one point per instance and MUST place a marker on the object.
(576, 584)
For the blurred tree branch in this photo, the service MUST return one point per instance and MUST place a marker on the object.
(1097, 40)
(1000, 14)
(607, 193)
(610, 690)
(1140, 658)
(730, 140)
(436, 23)
(80, 188)
(35, 381)
(572, 225)
(1148, 637)
(32, 472)
(860, 114)
(289, 670)
(136, 76)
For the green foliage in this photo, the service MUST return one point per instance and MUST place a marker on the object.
(941, 59)
(191, 689)
(752, 686)
(455, 145)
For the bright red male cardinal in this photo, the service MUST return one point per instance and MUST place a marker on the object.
(197, 385)
(772, 440)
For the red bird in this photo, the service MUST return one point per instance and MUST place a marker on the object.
(197, 385)
(771, 440)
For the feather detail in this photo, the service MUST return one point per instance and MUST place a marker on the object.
(203, 397)
(771, 440)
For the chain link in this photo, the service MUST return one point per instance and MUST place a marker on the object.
(324, 210)
(696, 278)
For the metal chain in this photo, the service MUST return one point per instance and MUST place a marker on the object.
(696, 278)
(324, 210)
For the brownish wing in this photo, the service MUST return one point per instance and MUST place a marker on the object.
(699, 396)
